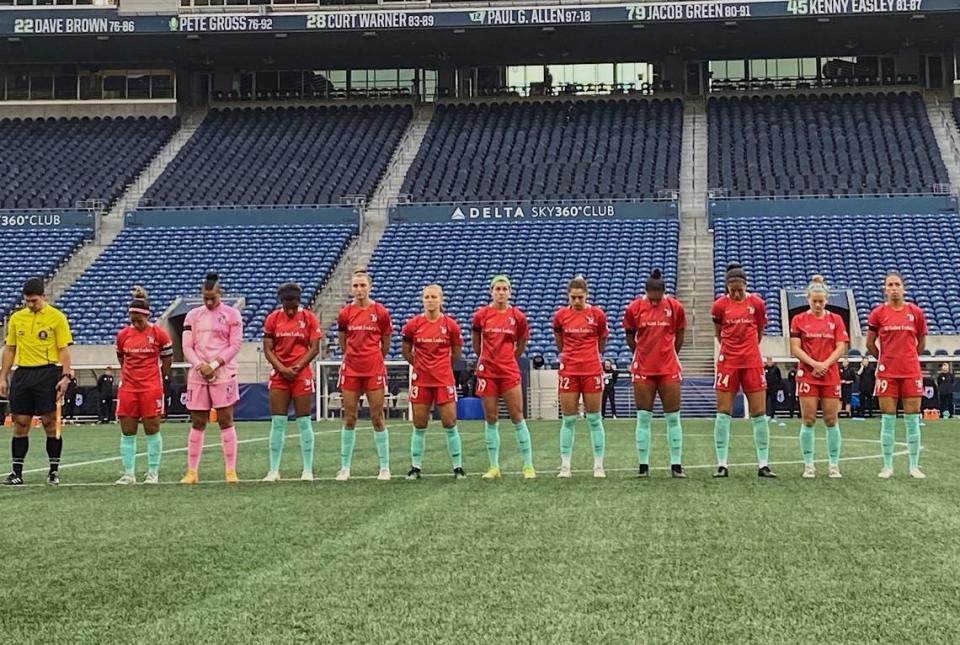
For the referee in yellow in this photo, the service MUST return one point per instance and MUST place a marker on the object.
(38, 340)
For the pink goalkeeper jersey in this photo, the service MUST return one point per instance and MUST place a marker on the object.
(209, 334)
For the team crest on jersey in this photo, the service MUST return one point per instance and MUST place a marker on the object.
(43, 334)
(831, 326)
(513, 323)
(750, 310)
(373, 317)
(183, 398)
(151, 339)
(910, 317)
(222, 319)
(589, 320)
(303, 324)
(443, 329)
(668, 312)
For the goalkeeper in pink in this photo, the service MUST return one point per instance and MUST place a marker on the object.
(212, 335)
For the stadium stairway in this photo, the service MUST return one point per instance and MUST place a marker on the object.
(695, 266)
(945, 130)
(112, 222)
(375, 217)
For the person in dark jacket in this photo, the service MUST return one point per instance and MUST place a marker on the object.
(945, 390)
(105, 389)
(610, 376)
(866, 381)
(791, 398)
(70, 399)
(848, 375)
(774, 383)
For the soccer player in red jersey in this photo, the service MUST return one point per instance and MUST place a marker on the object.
(291, 340)
(500, 335)
(581, 333)
(739, 319)
(818, 338)
(145, 352)
(655, 325)
(364, 334)
(432, 341)
(901, 329)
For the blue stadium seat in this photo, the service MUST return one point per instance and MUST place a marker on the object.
(47, 254)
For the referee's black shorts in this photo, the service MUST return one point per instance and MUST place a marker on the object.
(33, 390)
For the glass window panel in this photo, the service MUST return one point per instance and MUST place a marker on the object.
(91, 87)
(138, 86)
(115, 87)
(65, 87)
(161, 86)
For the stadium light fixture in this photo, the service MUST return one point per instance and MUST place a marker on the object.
(548, 30)
(369, 34)
(459, 31)
(280, 35)
(102, 37)
(823, 20)
(918, 16)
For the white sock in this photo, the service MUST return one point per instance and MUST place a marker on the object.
(598, 463)
(564, 462)
(763, 464)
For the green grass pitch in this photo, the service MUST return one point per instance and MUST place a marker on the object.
(581, 561)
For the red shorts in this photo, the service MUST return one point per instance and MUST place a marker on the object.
(657, 379)
(362, 383)
(581, 384)
(732, 379)
(496, 386)
(303, 385)
(909, 387)
(432, 394)
(806, 389)
(140, 405)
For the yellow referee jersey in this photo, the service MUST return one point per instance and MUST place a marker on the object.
(38, 337)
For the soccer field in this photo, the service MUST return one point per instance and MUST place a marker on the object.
(583, 560)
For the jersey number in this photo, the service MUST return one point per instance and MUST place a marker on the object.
(481, 385)
(564, 382)
(882, 385)
(804, 388)
(414, 391)
(723, 380)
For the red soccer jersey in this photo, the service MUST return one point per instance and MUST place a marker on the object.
(140, 353)
(581, 330)
(818, 338)
(655, 329)
(365, 328)
(740, 323)
(432, 344)
(292, 335)
(898, 333)
(500, 332)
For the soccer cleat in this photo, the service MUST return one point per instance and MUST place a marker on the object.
(676, 471)
(766, 473)
(643, 471)
(886, 473)
(190, 478)
(272, 476)
(835, 472)
(916, 473)
(493, 473)
(231, 477)
(529, 472)
(809, 471)
(414, 473)
(722, 471)
(306, 476)
(53, 479)
(343, 475)
(127, 480)
(599, 472)
(151, 478)
(459, 473)
(383, 475)
(13, 480)
(565, 472)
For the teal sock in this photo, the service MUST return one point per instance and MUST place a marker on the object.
(455, 446)
(833, 444)
(721, 437)
(154, 452)
(524, 443)
(912, 421)
(808, 439)
(128, 453)
(642, 436)
(491, 434)
(382, 439)
(597, 434)
(278, 428)
(418, 441)
(307, 441)
(674, 437)
(888, 431)
(568, 429)
(761, 439)
(348, 437)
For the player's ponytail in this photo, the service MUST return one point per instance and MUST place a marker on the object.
(655, 282)
(578, 282)
(212, 281)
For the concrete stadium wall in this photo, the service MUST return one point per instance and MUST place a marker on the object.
(79, 109)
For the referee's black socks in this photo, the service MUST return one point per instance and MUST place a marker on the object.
(18, 449)
(54, 448)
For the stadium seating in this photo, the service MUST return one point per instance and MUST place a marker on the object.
(267, 156)
(54, 163)
(830, 145)
(47, 253)
(615, 256)
(554, 149)
(852, 252)
(166, 262)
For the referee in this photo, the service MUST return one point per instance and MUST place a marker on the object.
(38, 339)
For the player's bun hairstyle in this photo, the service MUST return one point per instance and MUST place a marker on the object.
(138, 293)
(139, 303)
(735, 272)
(212, 281)
(818, 285)
(289, 291)
(655, 282)
(578, 282)
(33, 287)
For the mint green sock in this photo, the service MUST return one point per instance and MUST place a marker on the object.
(808, 440)
(912, 421)
(307, 441)
(888, 432)
(278, 428)
(418, 441)
(154, 452)
(721, 437)
(491, 435)
(597, 434)
(348, 438)
(524, 443)
(642, 436)
(455, 446)
(382, 439)
(761, 439)
(674, 437)
(128, 453)
(568, 429)
(834, 441)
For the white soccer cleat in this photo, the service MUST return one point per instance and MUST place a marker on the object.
(916, 473)
(151, 478)
(306, 476)
(599, 472)
(809, 471)
(272, 476)
(126, 480)
(384, 475)
(835, 472)
(565, 472)
(886, 473)
(343, 475)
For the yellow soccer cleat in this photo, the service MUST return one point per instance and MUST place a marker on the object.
(529, 472)
(190, 478)
(493, 473)
(232, 477)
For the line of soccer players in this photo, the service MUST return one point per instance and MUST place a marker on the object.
(654, 325)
